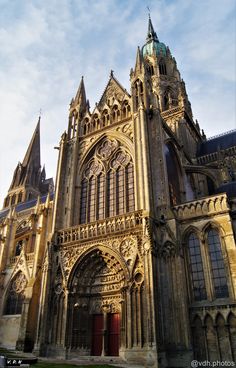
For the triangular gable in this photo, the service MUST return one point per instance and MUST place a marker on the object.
(113, 91)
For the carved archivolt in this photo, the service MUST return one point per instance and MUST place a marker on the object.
(69, 258)
(110, 270)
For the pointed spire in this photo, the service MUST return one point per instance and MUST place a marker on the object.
(81, 95)
(138, 63)
(33, 151)
(151, 35)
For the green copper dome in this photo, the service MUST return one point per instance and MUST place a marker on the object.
(153, 46)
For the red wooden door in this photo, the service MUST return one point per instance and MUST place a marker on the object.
(113, 334)
(97, 335)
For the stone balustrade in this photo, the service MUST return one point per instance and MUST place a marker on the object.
(29, 258)
(100, 228)
(212, 205)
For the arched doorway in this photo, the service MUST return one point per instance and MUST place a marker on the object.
(94, 314)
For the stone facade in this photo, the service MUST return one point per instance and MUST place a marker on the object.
(135, 256)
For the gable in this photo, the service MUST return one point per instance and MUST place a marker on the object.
(113, 91)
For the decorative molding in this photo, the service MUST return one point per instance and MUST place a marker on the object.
(209, 206)
(100, 228)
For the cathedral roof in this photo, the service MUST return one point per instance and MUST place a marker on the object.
(215, 144)
(26, 205)
(228, 188)
(153, 46)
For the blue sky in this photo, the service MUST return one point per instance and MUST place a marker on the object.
(46, 46)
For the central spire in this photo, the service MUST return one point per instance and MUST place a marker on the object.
(151, 35)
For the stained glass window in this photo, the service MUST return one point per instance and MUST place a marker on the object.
(196, 268)
(217, 264)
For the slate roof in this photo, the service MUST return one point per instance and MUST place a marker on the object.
(221, 142)
(26, 205)
(228, 188)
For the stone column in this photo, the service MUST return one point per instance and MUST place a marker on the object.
(104, 337)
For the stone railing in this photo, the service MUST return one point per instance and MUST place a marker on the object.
(214, 156)
(13, 260)
(100, 228)
(202, 207)
(29, 258)
(172, 110)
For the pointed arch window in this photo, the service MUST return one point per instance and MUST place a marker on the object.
(83, 202)
(162, 68)
(120, 191)
(130, 187)
(110, 193)
(105, 118)
(13, 199)
(18, 247)
(101, 197)
(219, 277)
(91, 199)
(196, 268)
(15, 296)
(125, 110)
(115, 114)
(107, 193)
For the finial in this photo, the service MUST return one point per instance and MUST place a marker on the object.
(40, 114)
(149, 12)
(112, 73)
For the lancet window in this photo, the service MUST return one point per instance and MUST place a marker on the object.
(219, 278)
(214, 269)
(125, 110)
(107, 189)
(105, 118)
(115, 114)
(196, 267)
(162, 68)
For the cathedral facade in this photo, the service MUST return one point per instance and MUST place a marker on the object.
(133, 254)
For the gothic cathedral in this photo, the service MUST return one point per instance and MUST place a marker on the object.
(133, 254)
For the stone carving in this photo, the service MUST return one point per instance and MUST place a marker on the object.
(107, 148)
(58, 282)
(103, 227)
(127, 248)
(127, 130)
(69, 257)
(122, 158)
(111, 304)
(202, 207)
(94, 168)
(23, 226)
(19, 283)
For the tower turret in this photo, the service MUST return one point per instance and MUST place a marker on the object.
(164, 80)
(78, 107)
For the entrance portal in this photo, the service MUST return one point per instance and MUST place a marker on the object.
(110, 339)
